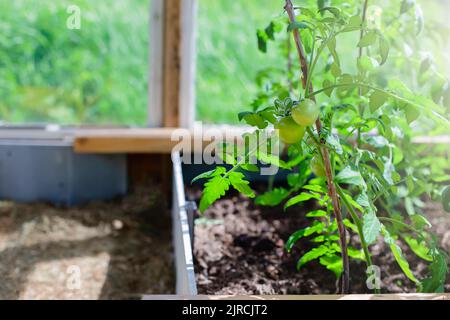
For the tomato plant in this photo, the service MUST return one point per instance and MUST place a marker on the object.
(360, 125)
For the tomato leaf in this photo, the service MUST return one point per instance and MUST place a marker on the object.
(272, 198)
(302, 197)
(312, 255)
(316, 228)
(241, 185)
(209, 174)
(371, 227)
(368, 39)
(398, 255)
(350, 176)
(377, 99)
(214, 189)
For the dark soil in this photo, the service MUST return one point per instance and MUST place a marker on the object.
(121, 249)
(239, 249)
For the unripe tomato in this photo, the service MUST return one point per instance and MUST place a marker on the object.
(317, 167)
(289, 131)
(306, 113)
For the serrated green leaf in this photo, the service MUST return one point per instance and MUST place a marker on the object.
(312, 255)
(363, 200)
(302, 197)
(295, 179)
(333, 10)
(241, 185)
(437, 274)
(371, 227)
(419, 248)
(412, 113)
(209, 174)
(388, 171)
(351, 176)
(322, 4)
(327, 84)
(384, 50)
(316, 228)
(398, 255)
(315, 188)
(350, 225)
(262, 40)
(316, 214)
(420, 221)
(333, 263)
(214, 189)
(270, 31)
(253, 119)
(356, 254)
(335, 70)
(376, 100)
(354, 23)
(368, 39)
(333, 141)
(249, 167)
(297, 25)
(272, 198)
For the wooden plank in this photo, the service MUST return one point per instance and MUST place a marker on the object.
(150, 140)
(156, 63)
(172, 63)
(188, 63)
(159, 140)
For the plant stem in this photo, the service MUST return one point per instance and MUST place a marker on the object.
(289, 65)
(326, 156)
(359, 226)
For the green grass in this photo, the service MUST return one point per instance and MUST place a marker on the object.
(97, 74)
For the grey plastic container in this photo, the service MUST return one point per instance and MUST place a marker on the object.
(49, 170)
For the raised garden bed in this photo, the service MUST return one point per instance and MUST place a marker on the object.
(238, 249)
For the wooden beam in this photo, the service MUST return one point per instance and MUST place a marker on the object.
(159, 140)
(155, 140)
(156, 64)
(172, 63)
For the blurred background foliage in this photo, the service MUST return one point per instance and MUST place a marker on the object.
(95, 75)
(229, 61)
(99, 74)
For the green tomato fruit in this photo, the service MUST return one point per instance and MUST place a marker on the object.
(289, 131)
(306, 113)
(317, 167)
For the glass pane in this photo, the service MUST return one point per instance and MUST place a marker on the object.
(228, 58)
(53, 72)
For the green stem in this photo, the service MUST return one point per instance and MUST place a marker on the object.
(404, 225)
(359, 226)
(313, 136)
